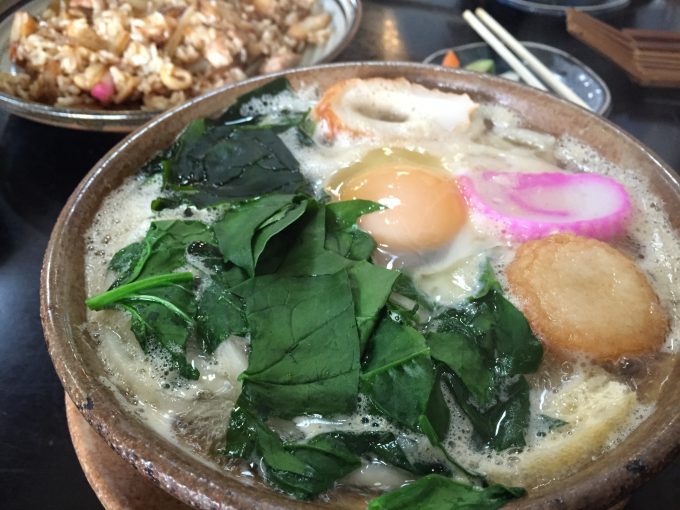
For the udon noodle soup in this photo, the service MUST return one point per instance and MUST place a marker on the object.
(385, 288)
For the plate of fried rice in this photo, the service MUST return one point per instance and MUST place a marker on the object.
(112, 65)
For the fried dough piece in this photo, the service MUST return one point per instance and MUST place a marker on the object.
(582, 296)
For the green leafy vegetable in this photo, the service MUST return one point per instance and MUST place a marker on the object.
(309, 255)
(245, 228)
(230, 164)
(304, 344)
(220, 313)
(125, 262)
(436, 492)
(160, 302)
(285, 119)
(398, 375)
(548, 424)
(487, 346)
(437, 418)
(466, 360)
(385, 446)
(371, 286)
(305, 469)
(269, 89)
(342, 234)
(302, 470)
(502, 425)
(234, 158)
(406, 305)
(327, 459)
(111, 297)
(161, 308)
(345, 214)
(482, 65)
(162, 250)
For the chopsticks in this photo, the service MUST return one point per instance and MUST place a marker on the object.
(497, 37)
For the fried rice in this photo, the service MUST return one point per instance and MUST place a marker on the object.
(154, 54)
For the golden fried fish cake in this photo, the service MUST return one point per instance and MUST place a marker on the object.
(582, 296)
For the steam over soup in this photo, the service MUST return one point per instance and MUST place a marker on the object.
(388, 289)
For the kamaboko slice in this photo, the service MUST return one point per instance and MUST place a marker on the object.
(533, 205)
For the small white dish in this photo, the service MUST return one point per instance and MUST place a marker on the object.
(575, 74)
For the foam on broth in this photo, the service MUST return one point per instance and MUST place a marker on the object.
(194, 414)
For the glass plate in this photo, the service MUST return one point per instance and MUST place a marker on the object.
(345, 18)
(571, 71)
(557, 7)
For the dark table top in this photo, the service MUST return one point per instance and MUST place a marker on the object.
(41, 165)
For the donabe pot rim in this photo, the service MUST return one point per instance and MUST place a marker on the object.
(600, 484)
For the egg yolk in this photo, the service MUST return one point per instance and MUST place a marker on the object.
(424, 209)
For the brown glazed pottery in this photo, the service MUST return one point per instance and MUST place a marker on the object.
(600, 484)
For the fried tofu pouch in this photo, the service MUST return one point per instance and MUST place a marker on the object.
(581, 295)
(594, 407)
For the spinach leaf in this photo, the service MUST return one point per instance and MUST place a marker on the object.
(305, 469)
(342, 234)
(124, 262)
(161, 309)
(397, 375)
(548, 424)
(277, 223)
(405, 287)
(345, 214)
(466, 360)
(220, 313)
(236, 157)
(160, 162)
(487, 346)
(139, 287)
(304, 344)
(437, 492)
(385, 446)
(207, 260)
(329, 240)
(327, 460)
(371, 286)
(161, 303)
(503, 424)
(278, 122)
(216, 164)
(157, 325)
(271, 88)
(353, 244)
(162, 250)
(302, 470)
(244, 230)
(437, 418)
(406, 305)
(500, 329)
(248, 437)
(308, 254)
